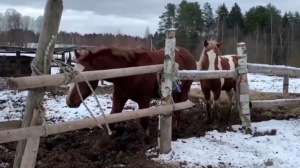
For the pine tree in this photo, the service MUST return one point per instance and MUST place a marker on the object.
(167, 18)
(222, 13)
(208, 17)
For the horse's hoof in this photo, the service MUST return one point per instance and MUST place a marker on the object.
(106, 139)
(146, 139)
(209, 121)
(216, 122)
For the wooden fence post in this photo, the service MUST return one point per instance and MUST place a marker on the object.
(243, 89)
(286, 84)
(27, 149)
(165, 121)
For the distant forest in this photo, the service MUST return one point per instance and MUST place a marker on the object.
(271, 36)
(16, 29)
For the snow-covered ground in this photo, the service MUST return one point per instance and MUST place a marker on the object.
(231, 148)
(236, 149)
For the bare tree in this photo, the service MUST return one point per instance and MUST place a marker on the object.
(39, 24)
(26, 23)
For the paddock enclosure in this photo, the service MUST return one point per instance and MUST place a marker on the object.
(48, 134)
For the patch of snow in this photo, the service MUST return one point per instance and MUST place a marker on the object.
(14, 54)
(12, 104)
(265, 83)
(236, 149)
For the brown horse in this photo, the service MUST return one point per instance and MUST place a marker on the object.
(140, 88)
(211, 59)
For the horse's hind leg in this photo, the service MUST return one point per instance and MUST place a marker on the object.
(144, 121)
(230, 95)
(181, 96)
(117, 107)
(215, 113)
(206, 93)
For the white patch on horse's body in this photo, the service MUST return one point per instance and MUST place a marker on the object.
(79, 68)
(230, 61)
(221, 68)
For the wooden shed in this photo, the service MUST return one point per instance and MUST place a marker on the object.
(15, 66)
(16, 61)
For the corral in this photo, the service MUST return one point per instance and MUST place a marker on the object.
(128, 150)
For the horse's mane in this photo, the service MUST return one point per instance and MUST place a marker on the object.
(127, 53)
(213, 44)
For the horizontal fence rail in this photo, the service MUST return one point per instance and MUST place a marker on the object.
(58, 79)
(274, 69)
(267, 104)
(210, 74)
(37, 131)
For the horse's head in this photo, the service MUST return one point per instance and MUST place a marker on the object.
(84, 63)
(210, 55)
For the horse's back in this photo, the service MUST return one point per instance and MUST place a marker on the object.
(229, 62)
(187, 59)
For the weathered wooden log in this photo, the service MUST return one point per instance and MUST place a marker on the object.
(37, 131)
(8, 125)
(165, 120)
(273, 69)
(269, 104)
(42, 63)
(243, 89)
(210, 74)
(58, 79)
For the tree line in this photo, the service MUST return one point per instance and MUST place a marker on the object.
(18, 29)
(271, 37)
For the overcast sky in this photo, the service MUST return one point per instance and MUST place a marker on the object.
(130, 16)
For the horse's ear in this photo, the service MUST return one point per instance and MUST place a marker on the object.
(77, 55)
(205, 43)
(219, 44)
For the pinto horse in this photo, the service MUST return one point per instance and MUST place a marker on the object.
(211, 59)
(139, 88)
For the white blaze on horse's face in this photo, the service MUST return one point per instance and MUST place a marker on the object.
(211, 59)
(79, 68)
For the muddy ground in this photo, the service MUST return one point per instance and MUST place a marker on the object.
(80, 148)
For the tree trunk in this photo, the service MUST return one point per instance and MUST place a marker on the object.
(218, 28)
(281, 41)
(272, 39)
(53, 11)
(265, 48)
(222, 31)
(256, 48)
(292, 40)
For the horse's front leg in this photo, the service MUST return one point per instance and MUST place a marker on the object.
(230, 95)
(215, 113)
(206, 93)
(144, 121)
(117, 107)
